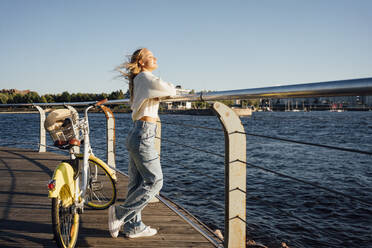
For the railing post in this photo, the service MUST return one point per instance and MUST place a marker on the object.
(42, 143)
(110, 135)
(235, 176)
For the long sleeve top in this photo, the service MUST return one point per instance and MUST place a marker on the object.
(148, 90)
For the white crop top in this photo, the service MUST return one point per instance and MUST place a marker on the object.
(148, 89)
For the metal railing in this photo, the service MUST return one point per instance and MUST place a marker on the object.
(235, 138)
(351, 87)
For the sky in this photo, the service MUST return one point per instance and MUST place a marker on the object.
(51, 46)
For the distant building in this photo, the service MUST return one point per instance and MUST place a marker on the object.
(178, 105)
(320, 103)
(15, 91)
(181, 91)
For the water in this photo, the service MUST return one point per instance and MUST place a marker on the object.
(278, 209)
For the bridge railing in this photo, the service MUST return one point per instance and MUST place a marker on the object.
(235, 138)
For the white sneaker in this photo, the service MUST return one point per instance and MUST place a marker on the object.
(147, 232)
(113, 223)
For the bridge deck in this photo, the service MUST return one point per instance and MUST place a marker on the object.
(25, 210)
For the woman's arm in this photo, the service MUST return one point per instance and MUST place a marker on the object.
(157, 87)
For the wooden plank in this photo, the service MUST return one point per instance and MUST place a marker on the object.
(25, 209)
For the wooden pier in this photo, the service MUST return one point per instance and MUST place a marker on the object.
(25, 210)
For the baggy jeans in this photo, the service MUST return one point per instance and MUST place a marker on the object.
(145, 175)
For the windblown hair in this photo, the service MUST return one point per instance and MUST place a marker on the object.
(130, 69)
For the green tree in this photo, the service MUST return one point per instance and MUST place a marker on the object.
(10, 98)
(65, 97)
(33, 96)
(104, 95)
(73, 97)
(26, 98)
(43, 99)
(18, 98)
(77, 97)
(228, 102)
(251, 102)
(49, 98)
(4, 98)
(115, 95)
(86, 97)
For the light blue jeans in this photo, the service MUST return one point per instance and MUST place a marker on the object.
(145, 175)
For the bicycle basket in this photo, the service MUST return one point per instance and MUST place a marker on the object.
(61, 125)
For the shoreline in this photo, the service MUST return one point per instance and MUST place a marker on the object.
(206, 112)
(19, 112)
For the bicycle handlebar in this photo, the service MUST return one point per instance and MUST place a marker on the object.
(101, 102)
(97, 104)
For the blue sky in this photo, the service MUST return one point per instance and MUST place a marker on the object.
(55, 46)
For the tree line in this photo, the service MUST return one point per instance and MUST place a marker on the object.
(34, 97)
(9, 97)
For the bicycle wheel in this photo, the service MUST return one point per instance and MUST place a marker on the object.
(64, 219)
(101, 188)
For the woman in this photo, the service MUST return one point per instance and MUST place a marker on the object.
(145, 174)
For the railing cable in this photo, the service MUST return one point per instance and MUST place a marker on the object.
(306, 182)
(277, 138)
(195, 171)
(308, 143)
(191, 147)
(288, 213)
(193, 126)
(32, 143)
(281, 174)
(216, 180)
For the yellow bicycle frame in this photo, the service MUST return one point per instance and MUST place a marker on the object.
(63, 176)
(103, 164)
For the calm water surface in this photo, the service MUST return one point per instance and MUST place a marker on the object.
(278, 209)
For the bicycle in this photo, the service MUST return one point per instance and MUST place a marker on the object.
(72, 186)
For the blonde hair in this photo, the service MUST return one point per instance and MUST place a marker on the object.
(131, 69)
